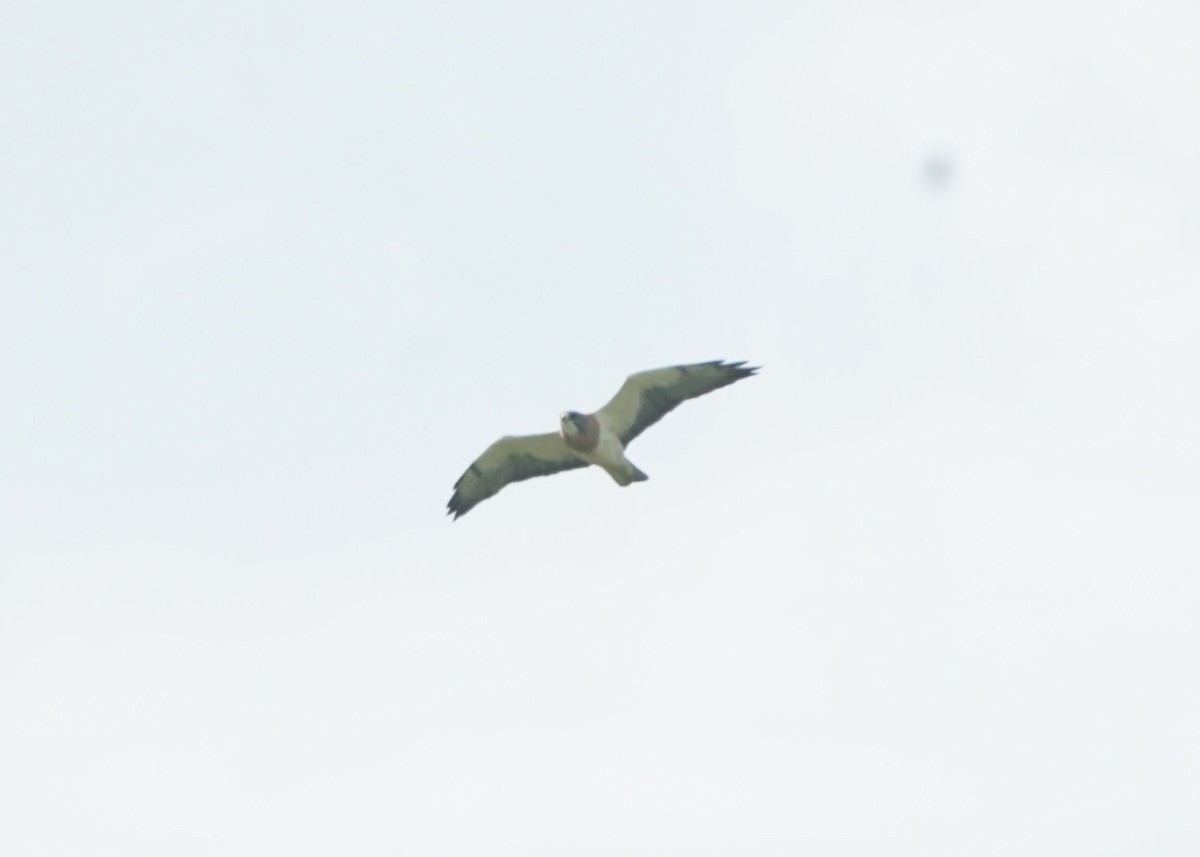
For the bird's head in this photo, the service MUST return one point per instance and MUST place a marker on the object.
(571, 423)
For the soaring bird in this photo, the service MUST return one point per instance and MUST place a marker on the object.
(599, 438)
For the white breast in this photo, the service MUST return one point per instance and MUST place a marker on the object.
(609, 450)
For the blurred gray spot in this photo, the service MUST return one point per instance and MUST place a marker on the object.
(938, 171)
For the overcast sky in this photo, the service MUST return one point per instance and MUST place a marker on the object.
(273, 274)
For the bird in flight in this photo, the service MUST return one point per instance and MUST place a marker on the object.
(599, 438)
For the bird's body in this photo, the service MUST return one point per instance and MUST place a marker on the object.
(599, 438)
(598, 444)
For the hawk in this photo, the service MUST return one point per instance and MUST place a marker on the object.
(599, 438)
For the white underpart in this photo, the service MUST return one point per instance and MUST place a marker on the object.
(610, 454)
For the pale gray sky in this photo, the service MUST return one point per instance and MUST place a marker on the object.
(273, 275)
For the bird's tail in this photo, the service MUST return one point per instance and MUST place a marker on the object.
(628, 475)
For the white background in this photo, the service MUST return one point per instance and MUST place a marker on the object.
(273, 274)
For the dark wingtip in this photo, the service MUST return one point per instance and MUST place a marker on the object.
(736, 365)
(739, 367)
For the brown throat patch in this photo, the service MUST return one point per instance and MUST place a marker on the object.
(586, 440)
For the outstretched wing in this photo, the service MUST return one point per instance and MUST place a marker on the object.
(645, 398)
(510, 459)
